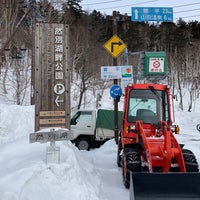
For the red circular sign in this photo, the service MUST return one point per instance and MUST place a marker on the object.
(156, 64)
(128, 70)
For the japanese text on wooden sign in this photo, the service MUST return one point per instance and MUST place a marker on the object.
(59, 87)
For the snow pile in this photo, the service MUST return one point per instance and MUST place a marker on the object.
(26, 176)
(15, 121)
(189, 135)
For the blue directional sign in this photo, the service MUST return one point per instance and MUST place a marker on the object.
(115, 91)
(152, 14)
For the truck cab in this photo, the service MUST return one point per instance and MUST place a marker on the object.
(91, 128)
(82, 128)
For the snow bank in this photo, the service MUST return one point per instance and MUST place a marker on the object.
(24, 174)
(15, 121)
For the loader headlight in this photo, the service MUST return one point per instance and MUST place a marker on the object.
(127, 129)
(176, 129)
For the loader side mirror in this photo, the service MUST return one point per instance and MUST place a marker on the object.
(175, 97)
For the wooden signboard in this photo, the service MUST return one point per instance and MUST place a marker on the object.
(52, 119)
(52, 76)
(51, 113)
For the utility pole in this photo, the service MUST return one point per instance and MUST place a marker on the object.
(115, 82)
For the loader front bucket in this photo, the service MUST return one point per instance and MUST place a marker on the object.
(165, 186)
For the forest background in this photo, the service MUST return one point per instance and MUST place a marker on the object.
(88, 34)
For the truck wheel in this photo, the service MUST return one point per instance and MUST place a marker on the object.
(131, 163)
(83, 143)
(191, 163)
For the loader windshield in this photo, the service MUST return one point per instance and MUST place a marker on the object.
(148, 106)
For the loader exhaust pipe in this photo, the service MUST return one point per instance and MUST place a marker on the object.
(165, 186)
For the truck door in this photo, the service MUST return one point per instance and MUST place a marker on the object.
(83, 123)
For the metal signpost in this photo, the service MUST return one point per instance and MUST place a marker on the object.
(152, 65)
(124, 73)
(52, 135)
(127, 76)
(110, 72)
(115, 46)
(155, 64)
(52, 151)
(152, 14)
(116, 92)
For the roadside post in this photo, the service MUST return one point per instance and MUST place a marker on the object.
(115, 46)
(52, 151)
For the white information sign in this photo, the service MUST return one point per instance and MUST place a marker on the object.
(111, 72)
(116, 72)
(156, 64)
(126, 81)
(53, 154)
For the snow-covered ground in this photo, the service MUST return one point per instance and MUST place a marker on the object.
(81, 175)
(24, 174)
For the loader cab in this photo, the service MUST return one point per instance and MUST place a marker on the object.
(148, 105)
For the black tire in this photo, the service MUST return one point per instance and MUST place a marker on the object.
(198, 127)
(125, 173)
(119, 157)
(131, 162)
(83, 143)
(191, 163)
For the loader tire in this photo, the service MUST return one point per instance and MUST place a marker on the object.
(131, 162)
(119, 157)
(191, 163)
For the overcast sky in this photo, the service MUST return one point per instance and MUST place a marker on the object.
(188, 10)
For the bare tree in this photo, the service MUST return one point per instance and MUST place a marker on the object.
(18, 80)
(8, 17)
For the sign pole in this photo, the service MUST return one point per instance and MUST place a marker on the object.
(115, 46)
(115, 83)
(115, 107)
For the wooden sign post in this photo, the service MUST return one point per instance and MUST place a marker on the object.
(52, 77)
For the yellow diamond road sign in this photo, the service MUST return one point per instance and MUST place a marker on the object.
(115, 46)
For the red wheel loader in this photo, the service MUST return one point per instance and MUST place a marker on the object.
(154, 165)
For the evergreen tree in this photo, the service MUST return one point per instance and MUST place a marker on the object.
(194, 27)
(73, 7)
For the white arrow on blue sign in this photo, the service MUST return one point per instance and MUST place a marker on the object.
(115, 91)
(157, 14)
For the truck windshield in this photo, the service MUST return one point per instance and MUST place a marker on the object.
(147, 106)
(82, 116)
